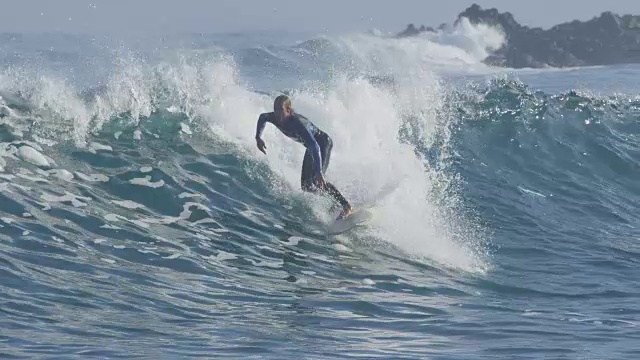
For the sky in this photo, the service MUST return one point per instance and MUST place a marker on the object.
(224, 16)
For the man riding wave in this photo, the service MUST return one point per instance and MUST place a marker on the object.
(318, 144)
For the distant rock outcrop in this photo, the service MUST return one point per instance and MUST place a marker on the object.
(604, 40)
(411, 30)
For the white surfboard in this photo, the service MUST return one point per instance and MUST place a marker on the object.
(363, 213)
(358, 217)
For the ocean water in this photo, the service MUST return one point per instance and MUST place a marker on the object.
(138, 219)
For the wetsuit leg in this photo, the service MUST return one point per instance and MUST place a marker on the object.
(326, 144)
(335, 194)
(306, 176)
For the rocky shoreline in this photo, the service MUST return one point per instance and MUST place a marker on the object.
(604, 40)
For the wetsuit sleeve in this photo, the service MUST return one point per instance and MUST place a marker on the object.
(262, 120)
(311, 144)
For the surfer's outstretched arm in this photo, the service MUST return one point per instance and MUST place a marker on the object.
(262, 121)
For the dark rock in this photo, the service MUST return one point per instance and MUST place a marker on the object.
(604, 40)
(412, 31)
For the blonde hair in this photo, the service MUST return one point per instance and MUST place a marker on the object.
(281, 102)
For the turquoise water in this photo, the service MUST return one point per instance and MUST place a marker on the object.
(138, 220)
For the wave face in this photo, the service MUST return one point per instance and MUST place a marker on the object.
(136, 209)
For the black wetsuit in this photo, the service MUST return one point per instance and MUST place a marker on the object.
(317, 156)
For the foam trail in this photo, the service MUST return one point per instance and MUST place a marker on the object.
(364, 122)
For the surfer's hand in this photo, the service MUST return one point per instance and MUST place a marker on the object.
(320, 181)
(261, 145)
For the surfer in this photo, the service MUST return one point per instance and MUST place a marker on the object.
(317, 142)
